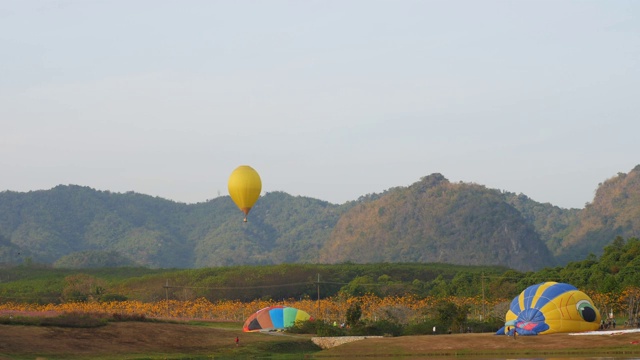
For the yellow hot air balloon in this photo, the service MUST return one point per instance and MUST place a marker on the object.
(551, 307)
(244, 188)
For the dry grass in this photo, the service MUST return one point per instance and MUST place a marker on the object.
(123, 340)
(166, 340)
(490, 344)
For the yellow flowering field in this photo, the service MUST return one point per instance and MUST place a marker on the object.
(330, 309)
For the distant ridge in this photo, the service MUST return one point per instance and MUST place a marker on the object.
(434, 220)
(431, 220)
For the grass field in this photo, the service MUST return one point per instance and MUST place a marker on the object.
(157, 340)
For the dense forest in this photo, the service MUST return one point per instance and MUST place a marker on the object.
(615, 271)
(437, 221)
(430, 221)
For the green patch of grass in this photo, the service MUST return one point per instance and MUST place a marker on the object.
(288, 347)
(74, 319)
(270, 350)
(71, 320)
(216, 324)
(162, 356)
(20, 320)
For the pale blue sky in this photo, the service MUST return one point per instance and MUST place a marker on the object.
(326, 99)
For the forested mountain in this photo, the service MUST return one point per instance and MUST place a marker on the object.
(75, 226)
(552, 223)
(615, 211)
(281, 229)
(432, 220)
(49, 225)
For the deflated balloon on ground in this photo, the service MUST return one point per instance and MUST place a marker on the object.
(274, 318)
(550, 307)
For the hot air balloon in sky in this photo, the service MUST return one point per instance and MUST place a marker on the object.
(274, 318)
(550, 307)
(244, 188)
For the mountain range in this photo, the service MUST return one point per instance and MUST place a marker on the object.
(432, 220)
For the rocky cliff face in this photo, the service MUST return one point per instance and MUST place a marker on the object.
(615, 211)
(436, 221)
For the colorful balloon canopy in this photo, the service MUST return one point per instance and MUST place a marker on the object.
(274, 318)
(550, 307)
(244, 188)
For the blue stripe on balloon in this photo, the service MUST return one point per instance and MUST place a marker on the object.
(552, 292)
(277, 318)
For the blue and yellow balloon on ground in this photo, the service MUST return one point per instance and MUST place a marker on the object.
(550, 307)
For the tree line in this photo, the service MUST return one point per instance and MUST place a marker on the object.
(615, 271)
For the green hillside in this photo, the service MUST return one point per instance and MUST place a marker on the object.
(431, 220)
(436, 221)
(613, 272)
(73, 226)
(550, 222)
(615, 211)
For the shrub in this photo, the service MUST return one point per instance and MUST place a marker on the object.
(354, 312)
(422, 328)
(315, 327)
(492, 325)
(377, 328)
(113, 297)
(128, 317)
(20, 320)
(324, 329)
(388, 328)
(303, 327)
(75, 320)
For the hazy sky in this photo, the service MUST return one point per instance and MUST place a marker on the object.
(329, 99)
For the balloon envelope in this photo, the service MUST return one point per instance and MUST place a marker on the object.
(550, 307)
(244, 188)
(274, 318)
